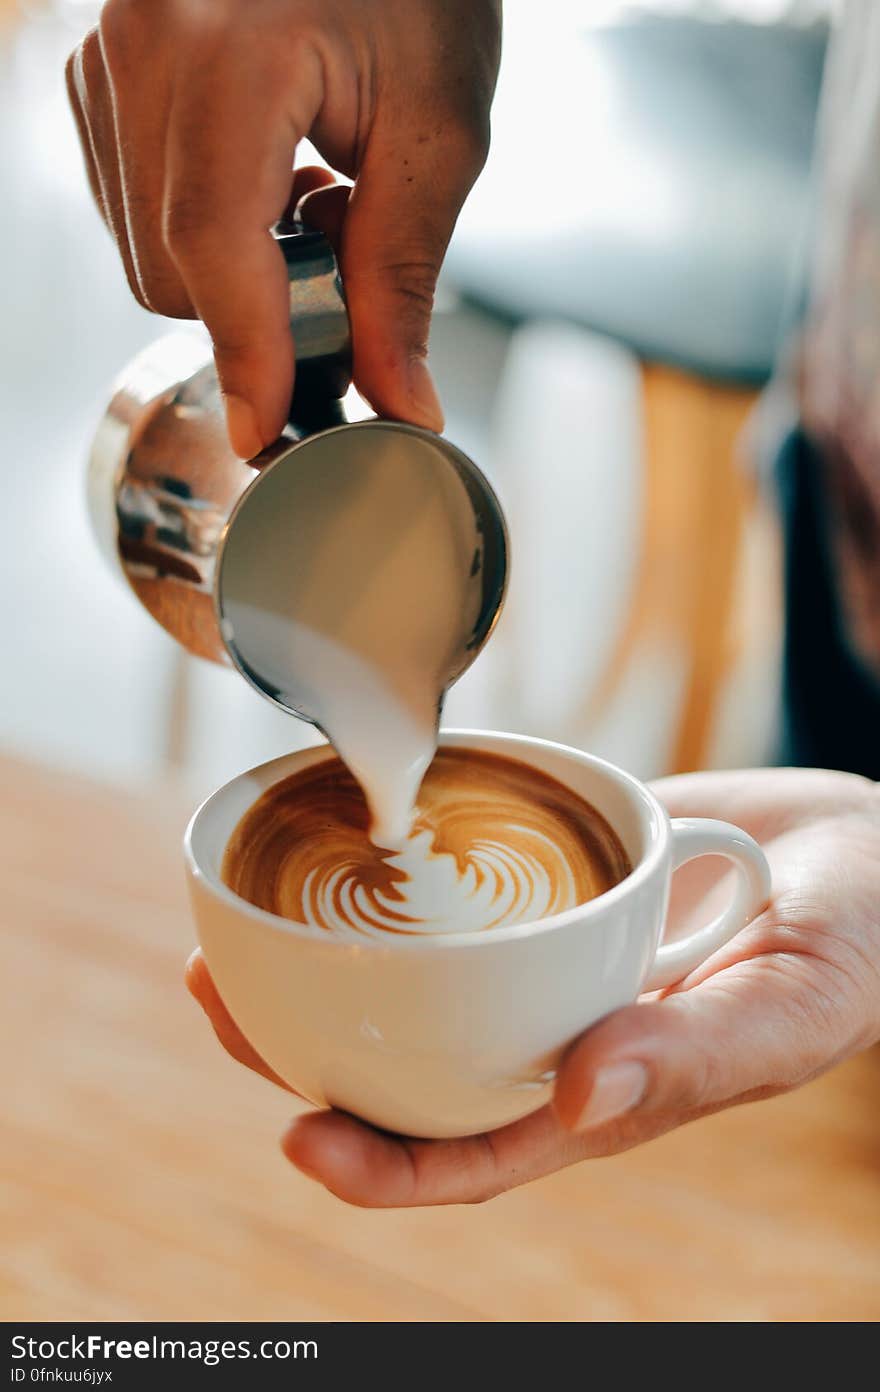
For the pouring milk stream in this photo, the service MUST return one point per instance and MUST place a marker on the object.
(350, 584)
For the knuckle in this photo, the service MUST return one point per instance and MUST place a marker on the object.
(88, 65)
(171, 301)
(681, 1078)
(162, 289)
(406, 288)
(413, 280)
(487, 1174)
(477, 141)
(296, 50)
(469, 138)
(186, 228)
(172, 306)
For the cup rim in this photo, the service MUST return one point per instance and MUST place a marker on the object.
(654, 815)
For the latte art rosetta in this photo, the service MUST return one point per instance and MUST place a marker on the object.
(494, 842)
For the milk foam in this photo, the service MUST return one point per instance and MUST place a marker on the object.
(498, 886)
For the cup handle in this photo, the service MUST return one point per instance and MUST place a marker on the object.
(698, 836)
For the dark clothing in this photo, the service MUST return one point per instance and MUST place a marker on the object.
(831, 697)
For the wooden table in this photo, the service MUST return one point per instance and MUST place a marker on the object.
(140, 1176)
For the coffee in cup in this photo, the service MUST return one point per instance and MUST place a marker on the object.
(494, 842)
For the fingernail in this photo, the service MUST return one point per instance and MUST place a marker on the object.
(423, 395)
(241, 423)
(616, 1090)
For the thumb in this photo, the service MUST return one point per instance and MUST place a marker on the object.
(400, 217)
(757, 1028)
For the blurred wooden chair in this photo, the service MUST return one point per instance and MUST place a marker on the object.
(698, 585)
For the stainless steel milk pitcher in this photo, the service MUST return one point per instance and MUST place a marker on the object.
(166, 490)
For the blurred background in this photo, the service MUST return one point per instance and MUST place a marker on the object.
(613, 303)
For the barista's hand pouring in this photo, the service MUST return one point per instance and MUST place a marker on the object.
(190, 114)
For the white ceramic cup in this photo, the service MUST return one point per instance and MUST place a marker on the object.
(447, 1035)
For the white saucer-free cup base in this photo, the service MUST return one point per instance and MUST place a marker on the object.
(445, 1035)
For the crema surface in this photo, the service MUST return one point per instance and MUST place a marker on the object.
(494, 842)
